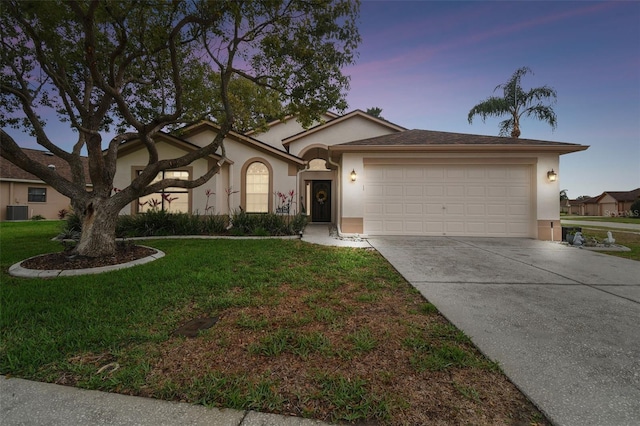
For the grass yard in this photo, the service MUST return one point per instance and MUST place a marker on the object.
(627, 239)
(319, 332)
(602, 219)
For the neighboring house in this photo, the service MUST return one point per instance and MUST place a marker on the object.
(23, 195)
(368, 177)
(609, 203)
(617, 203)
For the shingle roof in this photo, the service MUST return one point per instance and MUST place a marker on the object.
(430, 137)
(624, 195)
(8, 170)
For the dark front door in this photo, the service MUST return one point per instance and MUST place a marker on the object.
(321, 201)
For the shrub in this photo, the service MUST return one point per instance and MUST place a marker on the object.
(635, 208)
(37, 217)
(162, 223)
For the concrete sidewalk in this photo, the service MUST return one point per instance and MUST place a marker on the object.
(23, 402)
(563, 323)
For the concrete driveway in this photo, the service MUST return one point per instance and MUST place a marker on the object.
(564, 323)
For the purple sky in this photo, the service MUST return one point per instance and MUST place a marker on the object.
(426, 64)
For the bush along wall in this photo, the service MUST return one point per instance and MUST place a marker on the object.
(163, 223)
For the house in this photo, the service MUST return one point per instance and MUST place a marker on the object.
(23, 195)
(609, 203)
(369, 177)
(617, 203)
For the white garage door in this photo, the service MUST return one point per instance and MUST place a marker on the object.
(456, 200)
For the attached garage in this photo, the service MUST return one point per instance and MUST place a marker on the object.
(493, 200)
(422, 182)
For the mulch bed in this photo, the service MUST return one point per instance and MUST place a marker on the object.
(66, 260)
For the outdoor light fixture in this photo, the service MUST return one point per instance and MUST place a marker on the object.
(353, 175)
(552, 176)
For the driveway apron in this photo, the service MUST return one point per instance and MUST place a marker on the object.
(564, 323)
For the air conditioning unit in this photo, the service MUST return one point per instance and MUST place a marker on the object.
(17, 212)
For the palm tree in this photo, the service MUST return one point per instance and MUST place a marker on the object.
(516, 103)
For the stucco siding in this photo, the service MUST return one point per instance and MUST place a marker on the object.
(128, 163)
(16, 194)
(353, 129)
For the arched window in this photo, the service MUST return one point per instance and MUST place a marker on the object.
(257, 188)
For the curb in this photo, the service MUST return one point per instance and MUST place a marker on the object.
(18, 271)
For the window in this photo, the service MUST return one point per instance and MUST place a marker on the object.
(257, 188)
(37, 195)
(175, 200)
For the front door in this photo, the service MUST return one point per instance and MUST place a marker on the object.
(321, 201)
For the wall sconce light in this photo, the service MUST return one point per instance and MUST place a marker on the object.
(353, 175)
(552, 176)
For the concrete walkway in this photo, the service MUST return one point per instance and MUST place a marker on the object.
(563, 323)
(23, 402)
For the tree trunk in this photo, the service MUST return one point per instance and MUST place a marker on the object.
(98, 237)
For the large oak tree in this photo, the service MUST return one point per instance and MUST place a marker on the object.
(141, 67)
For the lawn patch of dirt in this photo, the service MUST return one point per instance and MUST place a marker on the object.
(269, 344)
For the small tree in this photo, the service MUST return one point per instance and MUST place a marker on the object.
(516, 103)
(141, 67)
(375, 112)
(635, 208)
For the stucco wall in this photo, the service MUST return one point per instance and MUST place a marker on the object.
(355, 128)
(138, 159)
(16, 193)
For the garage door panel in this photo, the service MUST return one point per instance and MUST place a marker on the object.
(454, 227)
(374, 190)
(393, 190)
(393, 209)
(478, 200)
(517, 209)
(435, 173)
(414, 227)
(496, 191)
(413, 209)
(414, 174)
(476, 210)
(476, 228)
(454, 191)
(433, 190)
(455, 173)
(476, 191)
(372, 208)
(413, 190)
(455, 209)
(434, 209)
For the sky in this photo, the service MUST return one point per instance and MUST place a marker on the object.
(427, 63)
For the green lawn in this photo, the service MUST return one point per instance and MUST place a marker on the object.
(603, 219)
(321, 332)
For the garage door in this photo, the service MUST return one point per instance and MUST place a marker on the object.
(456, 200)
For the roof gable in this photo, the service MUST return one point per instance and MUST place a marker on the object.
(623, 195)
(206, 125)
(336, 121)
(136, 144)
